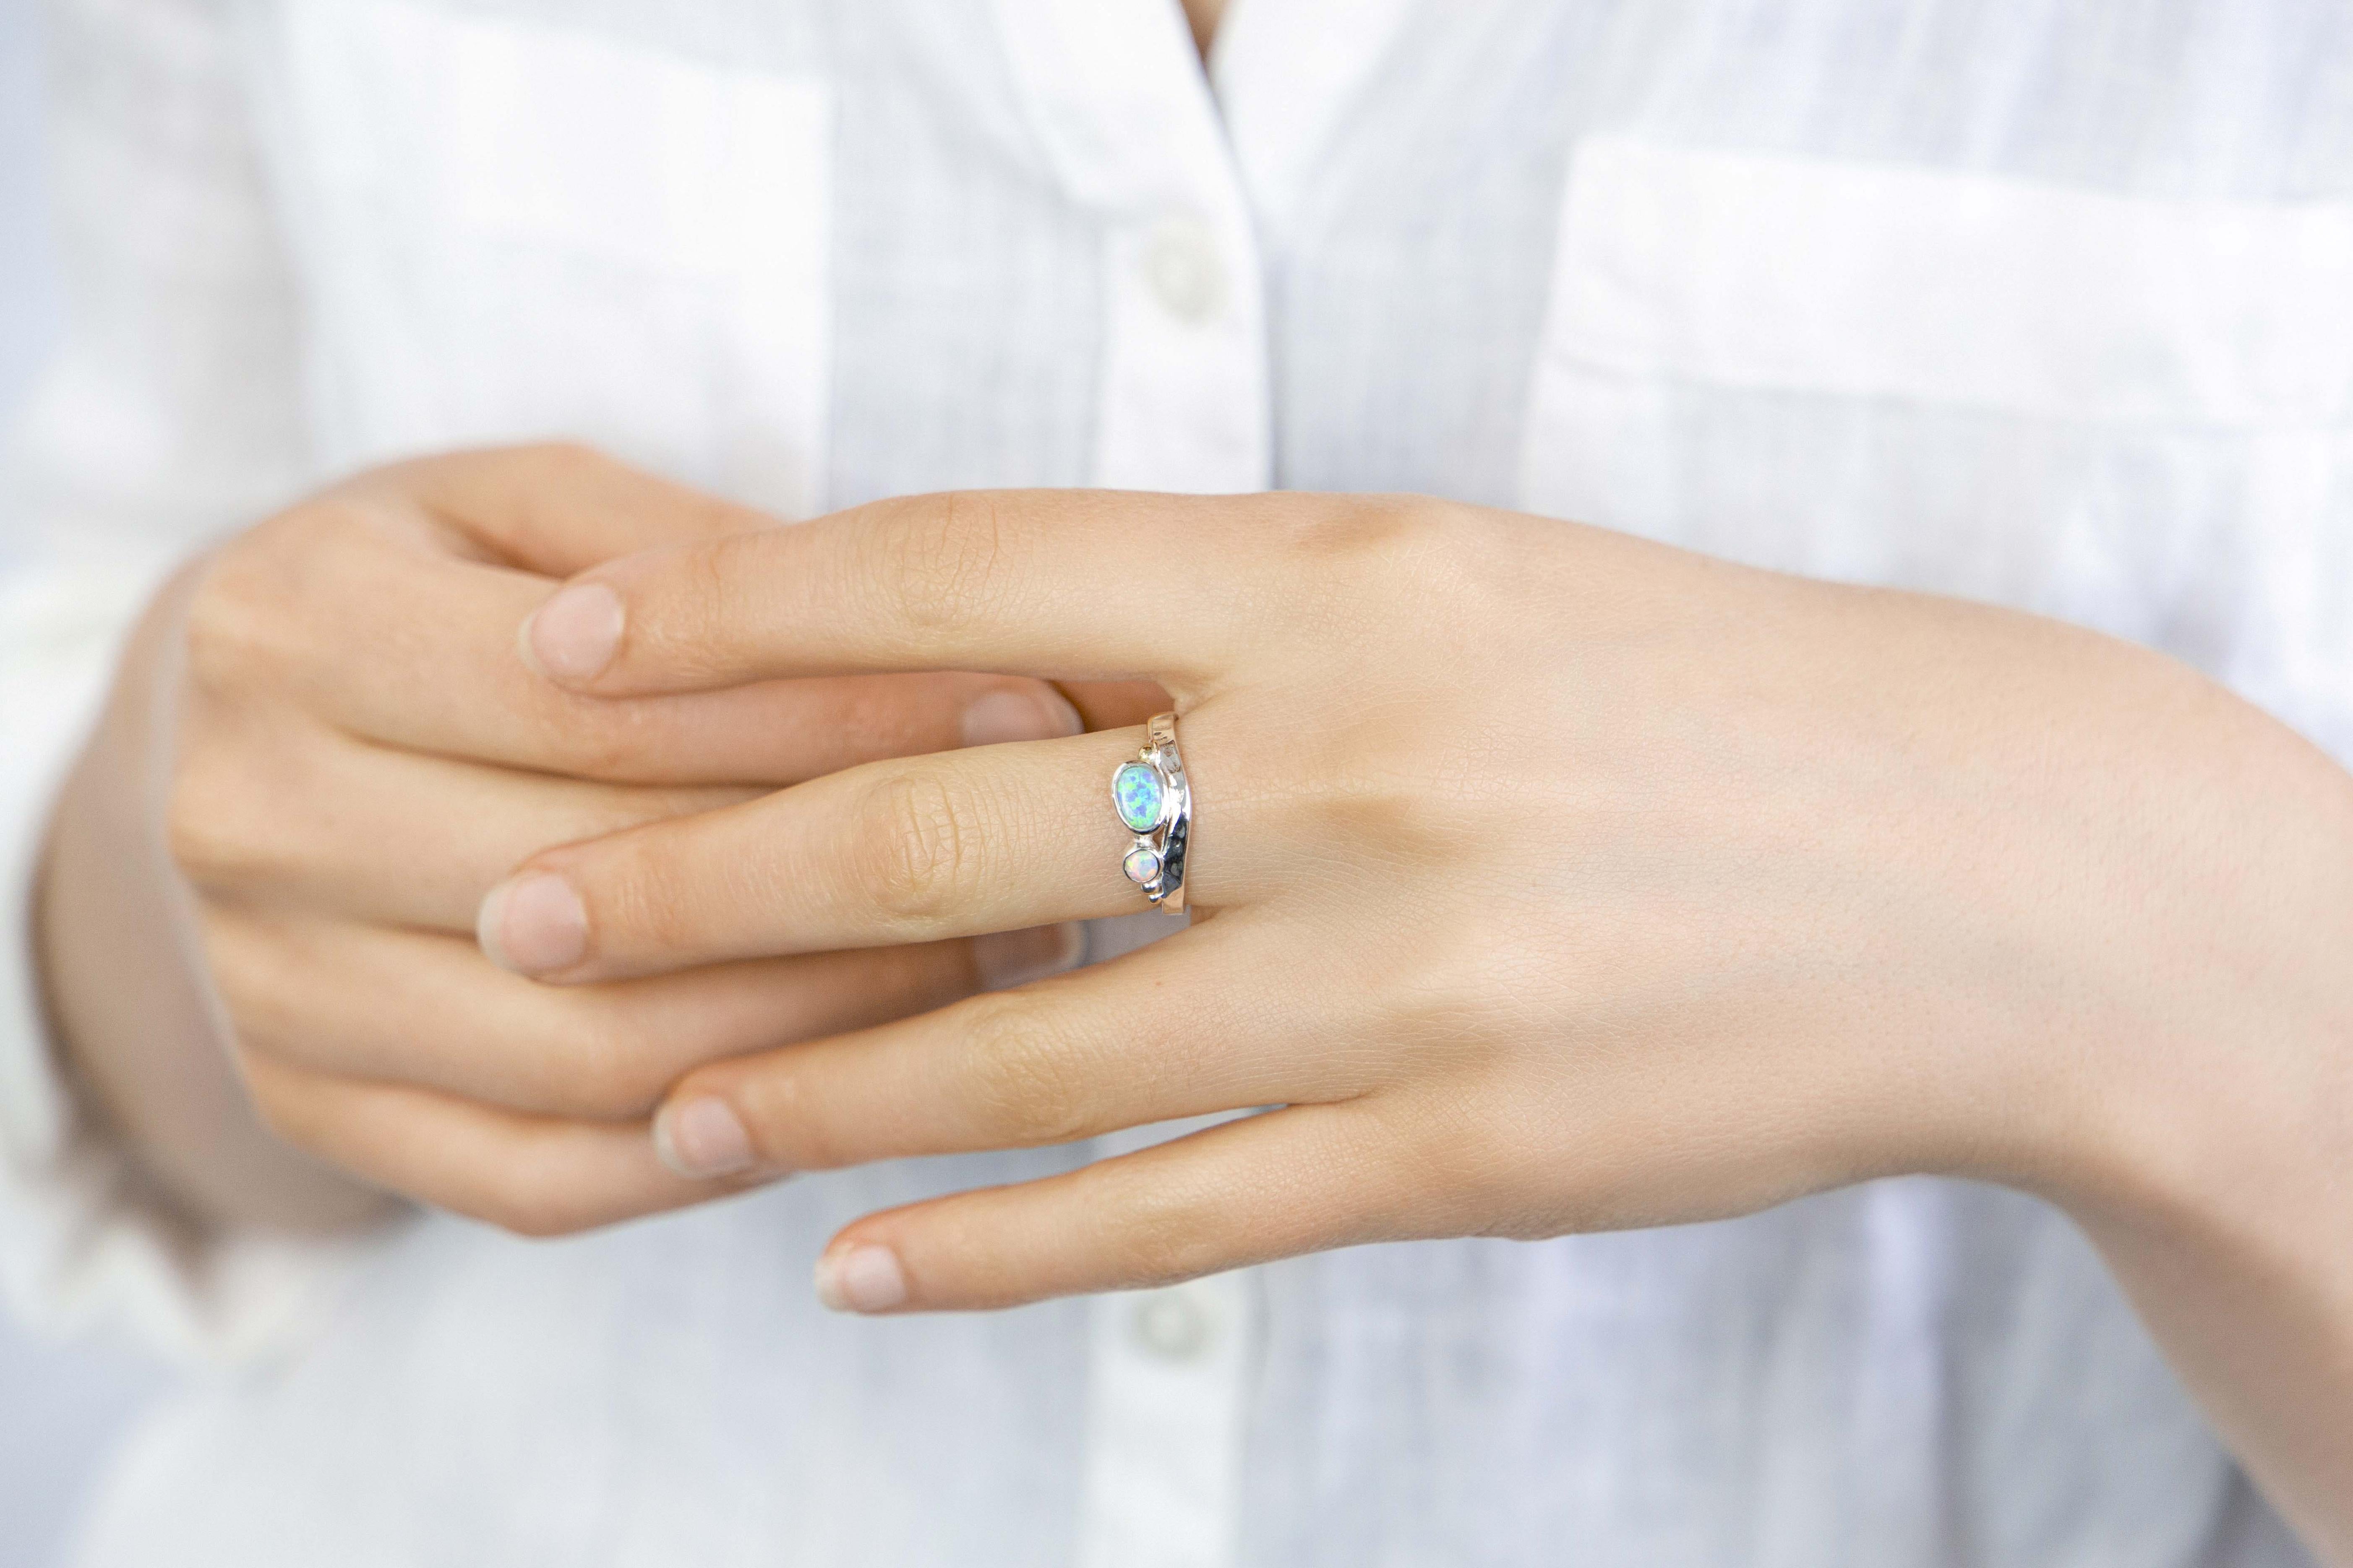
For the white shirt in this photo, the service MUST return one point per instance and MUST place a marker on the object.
(2043, 303)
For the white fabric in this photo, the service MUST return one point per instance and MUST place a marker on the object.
(1922, 285)
(2034, 303)
(131, 450)
(501, 193)
(1182, 400)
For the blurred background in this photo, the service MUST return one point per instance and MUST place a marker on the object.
(62, 1406)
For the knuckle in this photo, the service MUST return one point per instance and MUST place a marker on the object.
(618, 740)
(1391, 811)
(289, 1105)
(246, 965)
(520, 466)
(599, 1067)
(556, 458)
(230, 639)
(206, 854)
(514, 1208)
(256, 612)
(1164, 1234)
(1368, 532)
(240, 812)
(941, 565)
(270, 1102)
(793, 1108)
(531, 1195)
(715, 594)
(1398, 552)
(693, 610)
(641, 896)
(893, 716)
(1023, 1085)
(529, 1205)
(204, 832)
(1475, 1165)
(919, 846)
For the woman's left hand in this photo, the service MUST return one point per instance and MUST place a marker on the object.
(1556, 881)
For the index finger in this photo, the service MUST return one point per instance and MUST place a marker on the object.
(1062, 583)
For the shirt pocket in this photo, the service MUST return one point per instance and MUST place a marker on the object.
(2127, 412)
(514, 232)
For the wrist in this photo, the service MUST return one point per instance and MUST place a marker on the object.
(2152, 1027)
(2219, 1192)
(2153, 938)
(2214, 1101)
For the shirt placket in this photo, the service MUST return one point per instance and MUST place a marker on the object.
(1117, 97)
(1169, 1373)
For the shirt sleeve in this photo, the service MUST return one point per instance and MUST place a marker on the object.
(169, 412)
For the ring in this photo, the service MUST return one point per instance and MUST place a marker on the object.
(1155, 803)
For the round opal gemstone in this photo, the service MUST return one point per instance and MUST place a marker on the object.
(1141, 866)
(1137, 790)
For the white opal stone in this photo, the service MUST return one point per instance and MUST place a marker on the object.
(1141, 866)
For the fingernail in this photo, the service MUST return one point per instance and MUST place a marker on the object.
(862, 1278)
(702, 1137)
(1010, 958)
(532, 924)
(571, 636)
(1038, 715)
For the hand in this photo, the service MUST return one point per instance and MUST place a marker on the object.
(1560, 881)
(359, 756)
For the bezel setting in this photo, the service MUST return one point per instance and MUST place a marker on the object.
(1155, 861)
(1164, 794)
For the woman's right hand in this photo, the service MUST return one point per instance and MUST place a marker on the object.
(325, 732)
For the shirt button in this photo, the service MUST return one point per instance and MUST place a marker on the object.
(1180, 263)
(1171, 1325)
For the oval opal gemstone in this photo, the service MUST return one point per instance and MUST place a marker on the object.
(1141, 866)
(1137, 790)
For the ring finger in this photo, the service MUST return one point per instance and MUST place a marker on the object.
(916, 850)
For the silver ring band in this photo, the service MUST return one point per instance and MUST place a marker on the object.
(1154, 803)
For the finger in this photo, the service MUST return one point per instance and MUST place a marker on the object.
(1115, 704)
(436, 1015)
(311, 819)
(533, 1175)
(556, 507)
(913, 850)
(410, 647)
(1276, 1185)
(1063, 584)
(1047, 1063)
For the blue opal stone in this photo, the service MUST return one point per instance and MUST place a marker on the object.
(1137, 790)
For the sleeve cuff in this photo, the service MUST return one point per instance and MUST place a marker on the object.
(84, 1246)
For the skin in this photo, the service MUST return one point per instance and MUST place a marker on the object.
(1551, 881)
(322, 750)
(1548, 881)
(1202, 17)
(260, 829)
